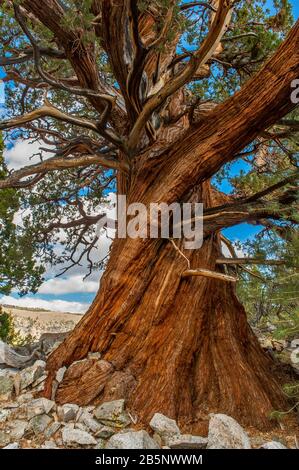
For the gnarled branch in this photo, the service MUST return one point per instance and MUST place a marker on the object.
(197, 60)
(14, 180)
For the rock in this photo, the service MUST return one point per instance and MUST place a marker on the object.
(131, 440)
(186, 441)
(273, 445)
(158, 439)
(105, 432)
(49, 445)
(13, 445)
(17, 384)
(39, 406)
(67, 412)
(4, 439)
(226, 433)
(17, 428)
(11, 358)
(60, 373)
(101, 444)
(10, 405)
(31, 374)
(112, 413)
(4, 414)
(52, 429)
(25, 397)
(6, 388)
(55, 385)
(39, 383)
(49, 341)
(271, 327)
(21, 413)
(90, 422)
(76, 436)
(39, 423)
(8, 372)
(164, 426)
(81, 426)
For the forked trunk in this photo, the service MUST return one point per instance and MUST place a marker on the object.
(181, 347)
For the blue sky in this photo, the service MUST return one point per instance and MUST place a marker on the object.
(71, 294)
(295, 4)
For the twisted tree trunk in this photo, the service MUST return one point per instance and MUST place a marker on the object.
(177, 346)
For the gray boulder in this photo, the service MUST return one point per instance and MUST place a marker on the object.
(77, 436)
(273, 445)
(49, 445)
(186, 441)
(91, 423)
(100, 444)
(164, 426)
(39, 423)
(52, 429)
(131, 440)
(4, 439)
(29, 375)
(226, 433)
(39, 406)
(60, 374)
(4, 414)
(13, 445)
(17, 428)
(6, 388)
(112, 413)
(105, 432)
(67, 412)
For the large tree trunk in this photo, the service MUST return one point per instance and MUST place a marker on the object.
(181, 347)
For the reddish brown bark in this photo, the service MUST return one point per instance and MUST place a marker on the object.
(177, 346)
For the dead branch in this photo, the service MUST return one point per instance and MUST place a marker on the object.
(55, 163)
(237, 261)
(48, 110)
(208, 273)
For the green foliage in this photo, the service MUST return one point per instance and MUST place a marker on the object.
(272, 293)
(18, 266)
(288, 328)
(8, 333)
(244, 55)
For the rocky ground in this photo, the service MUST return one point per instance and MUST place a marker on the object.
(28, 421)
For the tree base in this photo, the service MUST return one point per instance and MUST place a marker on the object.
(181, 347)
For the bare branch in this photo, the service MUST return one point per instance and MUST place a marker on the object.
(189, 5)
(55, 163)
(198, 59)
(208, 273)
(266, 262)
(27, 54)
(48, 110)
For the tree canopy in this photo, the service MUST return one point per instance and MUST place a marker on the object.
(67, 89)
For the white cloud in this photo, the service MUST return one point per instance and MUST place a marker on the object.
(72, 284)
(2, 93)
(20, 215)
(52, 305)
(19, 155)
(239, 252)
